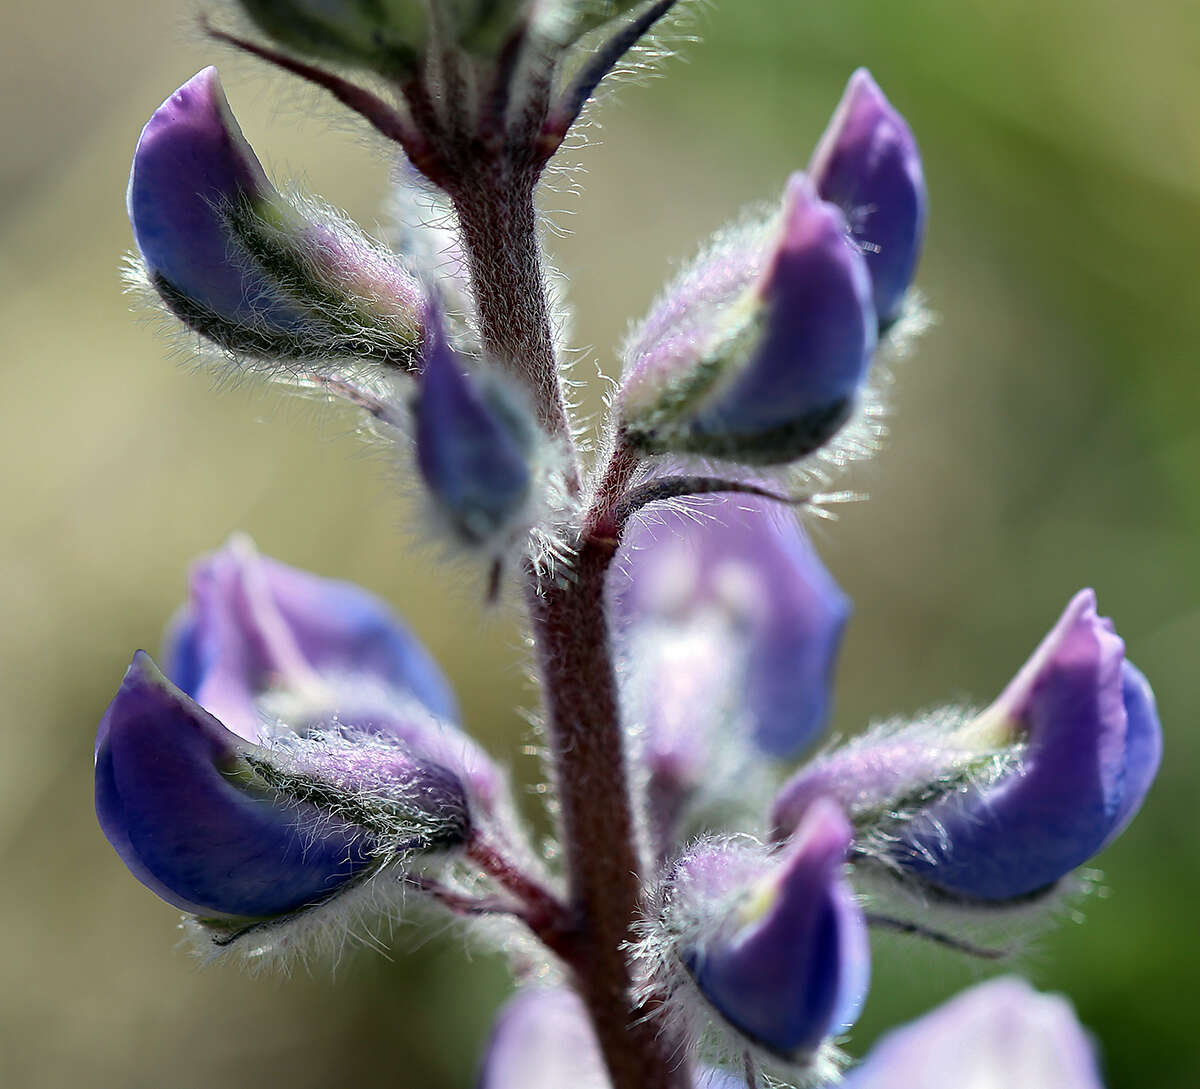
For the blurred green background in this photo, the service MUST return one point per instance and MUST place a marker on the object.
(1046, 436)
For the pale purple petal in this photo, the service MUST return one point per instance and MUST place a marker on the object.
(1000, 1034)
(867, 163)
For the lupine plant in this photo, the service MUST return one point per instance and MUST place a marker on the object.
(298, 763)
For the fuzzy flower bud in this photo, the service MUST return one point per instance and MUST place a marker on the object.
(261, 643)
(473, 442)
(867, 163)
(1006, 804)
(257, 274)
(999, 1033)
(303, 748)
(776, 946)
(186, 805)
(543, 1039)
(730, 627)
(758, 353)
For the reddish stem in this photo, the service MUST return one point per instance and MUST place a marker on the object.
(599, 834)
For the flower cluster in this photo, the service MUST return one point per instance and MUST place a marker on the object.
(301, 757)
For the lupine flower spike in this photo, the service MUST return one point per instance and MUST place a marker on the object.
(301, 761)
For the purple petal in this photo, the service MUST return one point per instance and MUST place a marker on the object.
(191, 165)
(867, 163)
(788, 967)
(1000, 1033)
(468, 449)
(543, 1039)
(801, 381)
(254, 624)
(242, 266)
(739, 602)
(169, 801)
(1070, 794)
(1143, 746)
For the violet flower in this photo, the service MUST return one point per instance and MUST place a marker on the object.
(730, 628)
(231, 812)
(777, 947)
(1008, 803)
(233, 831)
(999, 1033)
(758, 354)
(473, 445)
(243, 267)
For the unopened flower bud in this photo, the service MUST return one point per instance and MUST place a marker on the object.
(1008, 803)
(759, 352)
(473, 443)
(777, 946)
(182, 801)
(260, 276)
(1000, 1033)
(867, 163)
(304, 749)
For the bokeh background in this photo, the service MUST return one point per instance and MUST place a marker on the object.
(1046, 436)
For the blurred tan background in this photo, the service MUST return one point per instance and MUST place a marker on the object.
(1046, 436)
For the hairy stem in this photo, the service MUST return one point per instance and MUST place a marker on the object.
(499, 231)
(599, 834)
(597, 825)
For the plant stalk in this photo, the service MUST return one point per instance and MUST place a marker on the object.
(598, 830)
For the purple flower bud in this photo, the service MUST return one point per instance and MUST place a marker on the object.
(260, 641)
(227, 829)
(1005, 805)
(730, 623)
(243, 267)
(759, 353)
(543, 1039)
(997, 1033)
(472, 444)
(785, 960)
(867, 163)
(174, 800)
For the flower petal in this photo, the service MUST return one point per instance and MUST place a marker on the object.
(867, 163)
(173, 800)
(997, 1034)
